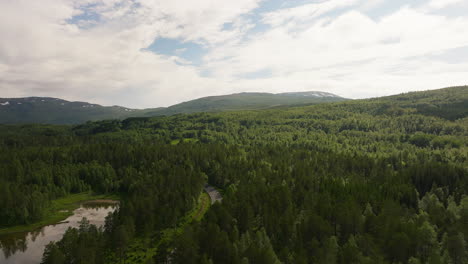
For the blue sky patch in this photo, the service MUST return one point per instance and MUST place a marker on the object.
(88, 16)
(228, 26)
(388, 7)
(270, 6)
(189, 51)
(194, 52)
(260, 74)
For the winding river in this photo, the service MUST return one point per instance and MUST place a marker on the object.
(27, 248)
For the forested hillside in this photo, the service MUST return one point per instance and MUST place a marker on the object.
(45, 110)
(246, 101)
(382, 180)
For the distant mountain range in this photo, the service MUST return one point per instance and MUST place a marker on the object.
(48, 110)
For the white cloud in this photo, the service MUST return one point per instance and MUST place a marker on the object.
(438, 4)
(351, 54)
(303, 13)
(200, 20)
(331, 46)
(41, 53)
(370, 4)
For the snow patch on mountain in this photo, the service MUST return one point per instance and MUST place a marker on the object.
(309, 94)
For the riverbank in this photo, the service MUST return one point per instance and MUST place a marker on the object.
(58, 211)
(142, 250)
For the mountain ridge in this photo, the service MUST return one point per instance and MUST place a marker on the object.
(50, 110)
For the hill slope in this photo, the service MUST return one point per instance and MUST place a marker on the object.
(448, 103)
(57, 111)
(247, 101)
(426, 111)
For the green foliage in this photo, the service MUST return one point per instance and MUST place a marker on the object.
(245, 101)
(370, 181)
(421, 140)
(56, 111)
(56, 210)
(82, 245)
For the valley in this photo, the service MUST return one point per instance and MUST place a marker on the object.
(233, 132)
(380, 180)
(46, 110)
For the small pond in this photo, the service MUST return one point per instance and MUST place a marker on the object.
(27, 248)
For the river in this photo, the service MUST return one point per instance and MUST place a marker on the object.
(27, 248)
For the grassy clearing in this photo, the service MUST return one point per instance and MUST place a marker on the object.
(185, 140)
(175, 141)
(58, 211)
(204, 203)
(143, 249)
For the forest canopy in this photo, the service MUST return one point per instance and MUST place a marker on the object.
(381, 180)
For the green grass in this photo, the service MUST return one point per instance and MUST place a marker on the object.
(202, 206)
(185, 140)
(142, 249)
(58, 211)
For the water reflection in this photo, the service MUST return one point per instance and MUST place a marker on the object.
(28, 247)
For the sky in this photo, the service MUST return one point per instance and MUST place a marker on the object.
(152, 53)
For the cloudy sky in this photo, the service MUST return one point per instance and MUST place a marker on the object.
(148, 53)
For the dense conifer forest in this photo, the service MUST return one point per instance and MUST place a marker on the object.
(381, 180)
